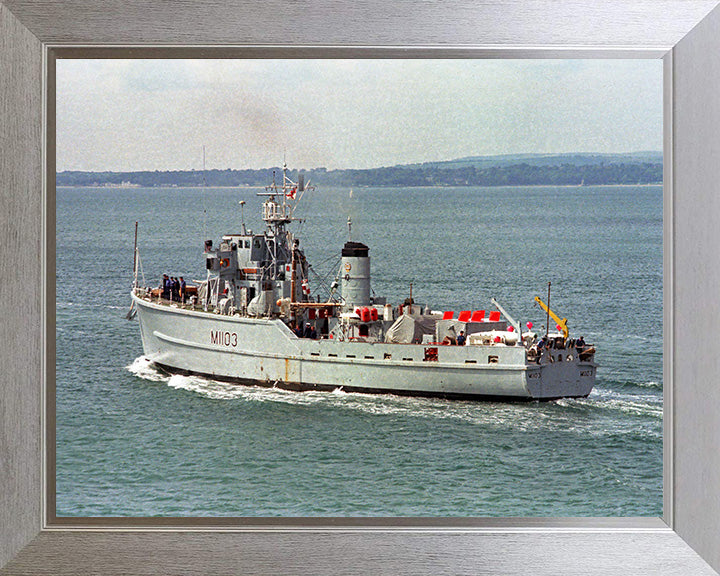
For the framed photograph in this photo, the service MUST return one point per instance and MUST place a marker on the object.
(80, 511)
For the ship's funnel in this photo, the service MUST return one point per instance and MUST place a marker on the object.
(355, 275)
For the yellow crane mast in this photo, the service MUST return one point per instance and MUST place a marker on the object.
(560, 322)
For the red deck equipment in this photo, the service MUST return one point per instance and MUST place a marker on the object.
(464, 316)
(478, 316)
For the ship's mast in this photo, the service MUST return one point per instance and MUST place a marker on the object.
(135, 259)
(547, 323)
(278, 211)
(242, 216)
(204, 186)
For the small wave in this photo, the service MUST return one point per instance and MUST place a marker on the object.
(567, 402)
(143, 368)
(636, 408)
(652, 384)
(208, 388)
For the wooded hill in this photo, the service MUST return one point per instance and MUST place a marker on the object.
(506, 170)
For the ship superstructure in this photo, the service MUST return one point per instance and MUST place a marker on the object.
(253, 321)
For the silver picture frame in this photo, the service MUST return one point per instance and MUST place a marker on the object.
(684, 33)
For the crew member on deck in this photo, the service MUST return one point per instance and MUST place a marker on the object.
(165, 287)
(461, 338)
(307, 332)
(541, 345)
(182, 289)
(173, 288)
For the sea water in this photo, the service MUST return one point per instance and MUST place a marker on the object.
(132, 441)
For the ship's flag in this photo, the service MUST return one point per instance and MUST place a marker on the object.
(291, 194)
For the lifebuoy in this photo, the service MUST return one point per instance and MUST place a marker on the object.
(225, 262)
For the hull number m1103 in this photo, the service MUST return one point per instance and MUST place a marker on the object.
(229, 339)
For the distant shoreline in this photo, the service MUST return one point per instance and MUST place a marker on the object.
(486, 171)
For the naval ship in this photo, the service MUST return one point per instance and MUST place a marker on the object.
(252, 321)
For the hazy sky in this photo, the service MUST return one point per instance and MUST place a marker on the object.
(124, 115)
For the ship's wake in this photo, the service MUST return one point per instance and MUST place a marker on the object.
(646, 405)
(579, 414)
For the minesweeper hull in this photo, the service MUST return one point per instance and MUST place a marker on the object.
(266, 352)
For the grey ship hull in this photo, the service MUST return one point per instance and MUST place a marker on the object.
(265, 352)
